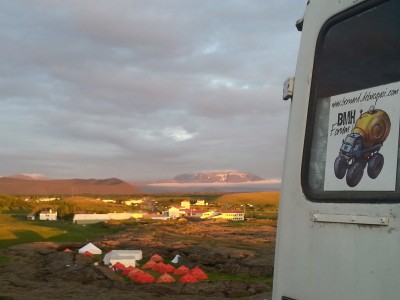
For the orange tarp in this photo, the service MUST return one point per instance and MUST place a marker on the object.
(156, 258)
(188, 278)
(165, 278)
(198, 273)
(134, 274)
(182, 270)
(118, 266)
(128, 270)
(170, 268)
(149, 265)
(143, 278)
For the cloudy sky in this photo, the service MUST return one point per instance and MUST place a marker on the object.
(145, 89)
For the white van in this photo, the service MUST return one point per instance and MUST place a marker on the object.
(339, 219)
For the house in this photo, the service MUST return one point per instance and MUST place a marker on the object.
(185, 204)
(48, 215)
(174, 212)
(133, 201)
(201, 202)
(31, 217)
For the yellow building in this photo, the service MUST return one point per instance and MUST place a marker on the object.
(231, 215)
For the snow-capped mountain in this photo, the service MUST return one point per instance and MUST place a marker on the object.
(218, 176)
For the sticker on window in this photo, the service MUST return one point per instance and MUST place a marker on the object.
(363, 139)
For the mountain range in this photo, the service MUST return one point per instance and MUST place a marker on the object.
(210, 181)
(18, 185)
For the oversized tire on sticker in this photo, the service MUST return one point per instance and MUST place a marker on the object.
(355, 173)
(340, 167)
(375, 165)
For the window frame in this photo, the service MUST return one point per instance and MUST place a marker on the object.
(365, 197)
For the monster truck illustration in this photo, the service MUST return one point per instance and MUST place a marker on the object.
(361, 147)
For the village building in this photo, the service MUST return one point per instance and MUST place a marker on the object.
(97, 218)
(137, 215)
(185, 203)
(90, 218)
(209, 214)
(109, 201)
(174, 212)
(48, 215)
(133, 201)
(47, 199)
(230, 215)
(201, 202)
(157, 216)
(187, 212)
(31, 217)
(120, 216)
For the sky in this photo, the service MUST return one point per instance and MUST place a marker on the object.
(145, 89)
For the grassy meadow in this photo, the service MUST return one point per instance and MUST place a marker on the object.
(16, 230)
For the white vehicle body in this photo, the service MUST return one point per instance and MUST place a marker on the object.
(335, 241)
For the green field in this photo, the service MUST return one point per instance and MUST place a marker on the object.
(16, 230)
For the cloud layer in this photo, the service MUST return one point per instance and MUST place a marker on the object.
(145, 89)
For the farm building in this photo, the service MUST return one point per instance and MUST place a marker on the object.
(185, 204)
(97, 218)
(48, 215)
(90, 218)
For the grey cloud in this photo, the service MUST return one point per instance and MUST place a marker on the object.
(145, 88)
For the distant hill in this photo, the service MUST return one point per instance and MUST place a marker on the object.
(217, 176)
(16, 185)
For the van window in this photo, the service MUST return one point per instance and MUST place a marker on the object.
(351, 149)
